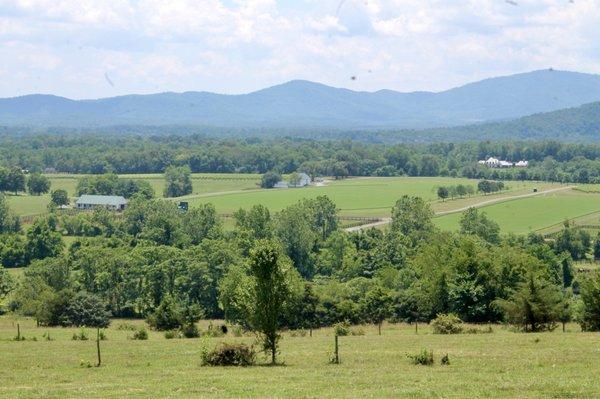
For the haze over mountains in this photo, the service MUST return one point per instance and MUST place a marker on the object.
(306, 104)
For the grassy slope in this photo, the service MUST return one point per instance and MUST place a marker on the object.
(534, 213)
(500, 365)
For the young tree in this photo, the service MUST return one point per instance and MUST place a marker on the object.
(597, 248)
(308, 308)
(38, 184)
(257, 221)
(443, 193)
(270, 179)
(269, 292)
(294, 179)
(377, 306)
(536, 306)
(59, 197)
(590, 298)
(178, 181)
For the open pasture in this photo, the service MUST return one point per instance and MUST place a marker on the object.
(367, 196)
(203, 183)
(534, 213)
(502, 364)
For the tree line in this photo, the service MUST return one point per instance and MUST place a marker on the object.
(127, 153)
(154, 261)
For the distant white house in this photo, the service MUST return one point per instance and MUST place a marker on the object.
(522, 164)
(110, 202)
(303, 181)
(492, 162)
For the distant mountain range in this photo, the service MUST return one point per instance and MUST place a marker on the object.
(307, 105)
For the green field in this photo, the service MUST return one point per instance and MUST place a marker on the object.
(26, 205)
(503, 364)
(369, 196)
(534, 213)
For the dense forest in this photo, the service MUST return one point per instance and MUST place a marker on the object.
(549, 160)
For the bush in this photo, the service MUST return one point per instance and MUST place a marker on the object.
(424, 358)
(476, 330)
(447, 324)
(190, 331)
(126, 327)
(215, 331)
(172, 334)
(230, 355)
(140, 334)
(167, 316)
(445, 360)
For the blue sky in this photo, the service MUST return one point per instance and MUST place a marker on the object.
(100, 48)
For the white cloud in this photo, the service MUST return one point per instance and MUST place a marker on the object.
(66, 46)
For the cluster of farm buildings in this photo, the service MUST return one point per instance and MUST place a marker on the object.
(492, 162)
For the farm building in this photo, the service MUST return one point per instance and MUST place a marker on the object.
(110, 202)
(303, 180)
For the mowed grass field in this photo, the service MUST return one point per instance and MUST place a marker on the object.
(368, 196)
(502, 364)
(25, 205)
(533, 213)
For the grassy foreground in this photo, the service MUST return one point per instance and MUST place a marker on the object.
(503, 364)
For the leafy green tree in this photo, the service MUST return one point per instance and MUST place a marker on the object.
(295, 230)
(412, 216)
(475, 223)
(597, 248)
(324, 215)
(377, 306)
(168, 315)
(270, 179)
(590, 298)
(13, 180)
(38, 184)
(86, 310)
(7, 283)
(60, 197)
(257, 221)
(202, 222)
(43, 240)
(269, 293)
(535, 306)
(9, 223)
(178, 181)
(443, 193)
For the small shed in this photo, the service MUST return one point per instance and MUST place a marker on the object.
(110, 202)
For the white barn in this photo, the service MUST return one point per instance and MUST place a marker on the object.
(110, 202)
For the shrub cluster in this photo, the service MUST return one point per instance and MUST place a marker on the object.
(230, 355)
(447, 324)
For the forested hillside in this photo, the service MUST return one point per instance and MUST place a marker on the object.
(308, 105)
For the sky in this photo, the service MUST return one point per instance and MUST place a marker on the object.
(101, 48)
